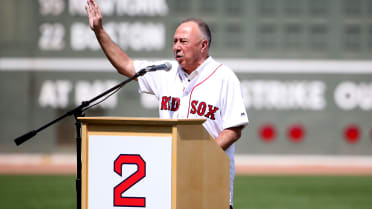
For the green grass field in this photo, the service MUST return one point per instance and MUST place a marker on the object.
(251, 192)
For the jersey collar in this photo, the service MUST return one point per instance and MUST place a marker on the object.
(198, 71)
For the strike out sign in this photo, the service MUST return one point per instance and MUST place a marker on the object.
(129, 172)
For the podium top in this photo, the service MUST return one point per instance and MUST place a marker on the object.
(139, 121)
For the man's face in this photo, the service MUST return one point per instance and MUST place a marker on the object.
(187, 46)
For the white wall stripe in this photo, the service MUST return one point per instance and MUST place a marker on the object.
(304, 160)
(244, 160)
(238, 65)
(299, 66)
(55, 64)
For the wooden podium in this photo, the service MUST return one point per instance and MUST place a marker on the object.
(152, 163)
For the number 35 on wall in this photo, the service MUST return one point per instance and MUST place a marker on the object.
(120, 199)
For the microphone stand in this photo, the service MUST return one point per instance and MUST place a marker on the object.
(78, 112)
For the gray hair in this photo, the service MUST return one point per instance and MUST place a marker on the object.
(203, 27)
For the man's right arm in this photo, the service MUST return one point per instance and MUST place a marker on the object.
(118, 58)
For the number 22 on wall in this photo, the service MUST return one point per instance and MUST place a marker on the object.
(119, 199)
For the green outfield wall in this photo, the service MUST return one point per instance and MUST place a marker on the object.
(304, 67)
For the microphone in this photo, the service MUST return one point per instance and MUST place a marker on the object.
(166, 66)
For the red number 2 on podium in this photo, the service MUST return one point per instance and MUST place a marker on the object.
(120, 200)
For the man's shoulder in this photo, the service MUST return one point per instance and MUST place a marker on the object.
(224, 71)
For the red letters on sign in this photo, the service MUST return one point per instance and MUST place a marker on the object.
(119, 200)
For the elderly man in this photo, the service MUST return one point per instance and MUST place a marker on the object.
(196, 87)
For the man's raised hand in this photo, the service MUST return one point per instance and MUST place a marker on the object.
(94, 15)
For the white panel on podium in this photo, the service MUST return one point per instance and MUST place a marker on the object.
(129, 171)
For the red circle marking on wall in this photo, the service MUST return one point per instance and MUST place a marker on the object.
(352, 133)
(267, 133)
(296, 133)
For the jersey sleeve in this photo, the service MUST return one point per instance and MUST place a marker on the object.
(150, 82)
(233, 111)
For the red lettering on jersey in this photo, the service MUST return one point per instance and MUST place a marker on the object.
(201, 109)
(193, 106)
(175, 104)
(192, 90)
(212, 110)
(164, 103)
(170, 103)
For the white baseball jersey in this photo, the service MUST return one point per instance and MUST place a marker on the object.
(211, 92)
